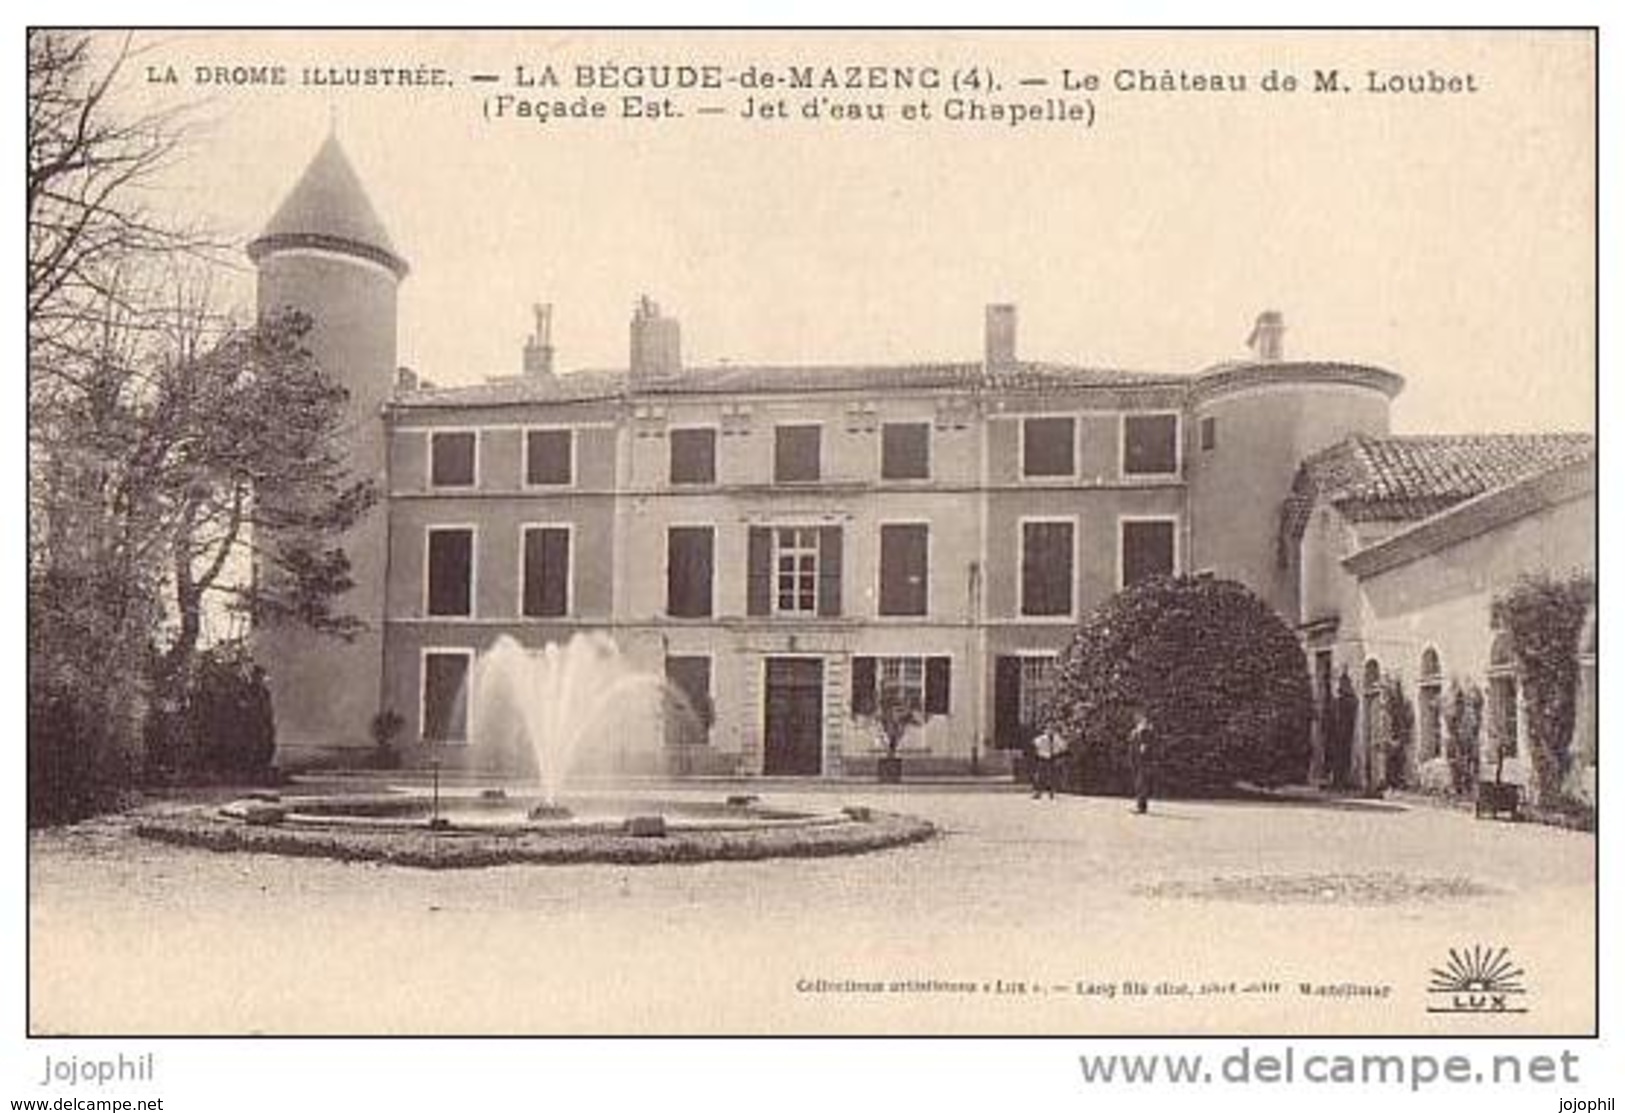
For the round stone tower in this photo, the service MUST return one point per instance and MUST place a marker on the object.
(326, 254)
(1250, 424)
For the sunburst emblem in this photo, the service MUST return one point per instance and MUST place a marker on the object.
(1478, 980)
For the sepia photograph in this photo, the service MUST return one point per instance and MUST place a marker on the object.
(592, 532)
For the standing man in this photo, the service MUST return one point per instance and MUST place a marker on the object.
(1046, 748)
(1142, 757)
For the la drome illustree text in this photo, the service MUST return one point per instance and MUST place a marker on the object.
(676, 76)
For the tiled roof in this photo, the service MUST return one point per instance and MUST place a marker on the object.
(1407, 478)
(790, 379)
(579, 386)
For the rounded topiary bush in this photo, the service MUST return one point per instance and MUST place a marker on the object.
(1218, 672)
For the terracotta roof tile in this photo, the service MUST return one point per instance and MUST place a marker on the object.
(1407, 478)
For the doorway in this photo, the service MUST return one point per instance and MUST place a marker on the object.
(793, 743)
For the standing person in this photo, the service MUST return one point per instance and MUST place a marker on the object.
(1142, 758)
(1046, 747)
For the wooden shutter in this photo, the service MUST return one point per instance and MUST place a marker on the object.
(829, 571)
(863, 686)
(937, 671)
(759, 580)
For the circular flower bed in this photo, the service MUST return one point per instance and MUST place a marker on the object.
(365, 829)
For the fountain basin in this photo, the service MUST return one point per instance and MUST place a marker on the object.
(474, 828)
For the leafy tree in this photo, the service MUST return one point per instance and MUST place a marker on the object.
(1544, 615)
(1221, 677)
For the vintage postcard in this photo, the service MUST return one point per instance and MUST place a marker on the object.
(812, 532)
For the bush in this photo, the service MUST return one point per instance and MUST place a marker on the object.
(1463, 717)
(223, 730)
(230, 713)
(86, 695)
(1399, 745)
(1220, 675)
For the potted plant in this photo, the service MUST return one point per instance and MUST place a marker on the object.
(895, 711)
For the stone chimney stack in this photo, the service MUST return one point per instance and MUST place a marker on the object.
(999, 336)
(539, 347)
(1268, 335)
(657, 350)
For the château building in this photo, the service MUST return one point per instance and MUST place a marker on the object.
(781, 541)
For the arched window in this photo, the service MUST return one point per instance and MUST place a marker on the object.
(1503, 698)
(1429, 706)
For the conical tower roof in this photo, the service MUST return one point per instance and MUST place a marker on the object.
(329, 209)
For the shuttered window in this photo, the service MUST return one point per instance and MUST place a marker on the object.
(905, 450)
(924, 682)
(1048, 447)
(794, 570)
(1046, 568)
(546, 591)
(549, 457)
(1150, 444)
(796, 453)
(1148, 550)
(452, 459)
(689, 553)
(450, 590)
(693, 456)
(904, 576)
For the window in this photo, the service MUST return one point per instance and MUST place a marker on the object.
(1209, 433)
(1430, 707)
(1046, 568)
(689, 552)
(904, 573)
(1048, 447)
(905, 451)
(450, 589)
(693, 456)
(796, 453)
(1022, 686)
(452, 459)
(924, 682)
(1147, 549)
(1037, 686)
(1505, 737)
(549, 457)
(794, 570)
(545, 590)
(1150, 444)
(445, 695)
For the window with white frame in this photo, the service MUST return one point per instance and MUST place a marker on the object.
(795, 570)
(1036, 688)
(549, 457)
(445, 694)
(1048, 447)
(449, 587)
(1150, 444)
(452, 458)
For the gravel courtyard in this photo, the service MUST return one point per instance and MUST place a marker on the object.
(1023, 916)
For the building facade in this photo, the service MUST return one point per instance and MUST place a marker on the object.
(782, 543)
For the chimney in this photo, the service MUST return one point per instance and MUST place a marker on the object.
(1000, 337)
(1267, 335)
(656, 342)
(539, 347)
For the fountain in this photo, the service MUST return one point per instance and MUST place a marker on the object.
(546, 705)
(546, 719)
